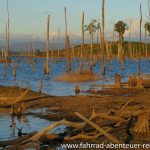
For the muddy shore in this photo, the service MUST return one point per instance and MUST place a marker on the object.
(64, 107)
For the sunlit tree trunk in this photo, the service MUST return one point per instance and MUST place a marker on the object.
(46, 67)
(82, 45)
(129, 43)
(139, 64)
(8, 33)
(58, 42)
(68, 63)
(103, 38)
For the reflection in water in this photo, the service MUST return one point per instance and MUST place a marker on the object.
(25, 74)
(12, 126)
(9, 126)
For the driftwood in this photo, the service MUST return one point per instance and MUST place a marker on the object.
(125, 105)
(92, 124)
(116, 118)
(85, 136)
(8, 103)
(37, 136)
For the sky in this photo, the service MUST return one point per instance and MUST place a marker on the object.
(28, 17)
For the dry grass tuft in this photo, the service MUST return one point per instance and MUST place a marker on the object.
(78, 77)
(142, 125)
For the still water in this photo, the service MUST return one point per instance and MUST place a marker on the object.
(25, 74)
(28, 123)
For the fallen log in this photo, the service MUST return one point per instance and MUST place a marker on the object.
(106, 116)
(126, 104)
(85, 136)
(92, 124)
(37, 136)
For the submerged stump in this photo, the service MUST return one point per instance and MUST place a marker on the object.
(77, 89)
(132, 80)
(117, 81)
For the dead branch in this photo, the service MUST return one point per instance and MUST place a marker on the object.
(37, 136)
(92, 124)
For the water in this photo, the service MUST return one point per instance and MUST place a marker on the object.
(25, 74)
(28, 123)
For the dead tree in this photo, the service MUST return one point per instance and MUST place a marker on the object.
(139, 69)
(68, 60)
(46, 66)
(7, 33)
(129, 43)
(58, 42)
(82, 45)
(103, 38)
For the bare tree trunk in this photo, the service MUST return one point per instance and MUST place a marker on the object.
(53, 47)
(68, 63)
(129, 43)
(46, 67)
(68, 54)
(6, 43)
(149, 6)
(146, 48)
(58, 42)
(33, 47)
(82, 46)
(140, 26)
(103, 37)
(139, 68)
(8, 31)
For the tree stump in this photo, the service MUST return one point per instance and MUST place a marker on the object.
(132, 80)
(140, 83)
(117, 81)
(18, 108)
(41, 86)
(77, 89)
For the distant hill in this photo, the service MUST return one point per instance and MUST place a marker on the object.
(37, 44)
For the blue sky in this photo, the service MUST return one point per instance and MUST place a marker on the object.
(29, 16)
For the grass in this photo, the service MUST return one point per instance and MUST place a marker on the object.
(78, 77)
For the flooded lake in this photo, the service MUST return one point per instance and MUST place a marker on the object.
(25, 74)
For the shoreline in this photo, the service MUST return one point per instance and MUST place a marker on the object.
(65, 106)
